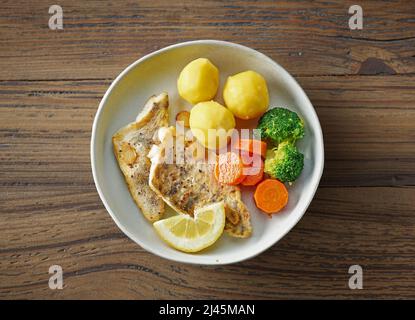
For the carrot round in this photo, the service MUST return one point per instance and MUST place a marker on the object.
(183, 116)
(252, 146)
(253, 174)
(271, 196)
(229, 168)
(249, 160)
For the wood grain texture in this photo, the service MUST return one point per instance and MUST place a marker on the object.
(100, 38)
(362, 84)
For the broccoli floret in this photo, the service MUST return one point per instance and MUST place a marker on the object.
(280, 124)
(284, 163)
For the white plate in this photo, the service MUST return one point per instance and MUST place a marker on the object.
(158, 72)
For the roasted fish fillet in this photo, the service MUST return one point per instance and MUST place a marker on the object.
(131, 146)
(189, 185)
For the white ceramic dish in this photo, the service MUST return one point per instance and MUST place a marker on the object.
(158, 72)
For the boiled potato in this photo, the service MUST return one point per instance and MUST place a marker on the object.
(211, 115)
(246, 95)
(198, 81)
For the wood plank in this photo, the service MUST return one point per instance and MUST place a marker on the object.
(53, 215)
(101, 38)
(368, 130)
(372, 227)
(368, 127)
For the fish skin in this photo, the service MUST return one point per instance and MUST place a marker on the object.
(190, 185)
(139, 136)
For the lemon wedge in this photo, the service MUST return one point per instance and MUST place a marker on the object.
(189, 234)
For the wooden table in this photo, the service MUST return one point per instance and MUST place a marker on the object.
(361, 82)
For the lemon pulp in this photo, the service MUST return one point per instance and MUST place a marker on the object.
(189, 234)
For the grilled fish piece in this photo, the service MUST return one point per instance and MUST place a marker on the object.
(190, 184)
(131, 146)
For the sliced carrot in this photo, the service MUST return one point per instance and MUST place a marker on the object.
(184, 117)
(253, 174)
(252, 146)
(229, 168)
(253, 168)
(271, 196)
(217, 172)
(250, 160)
